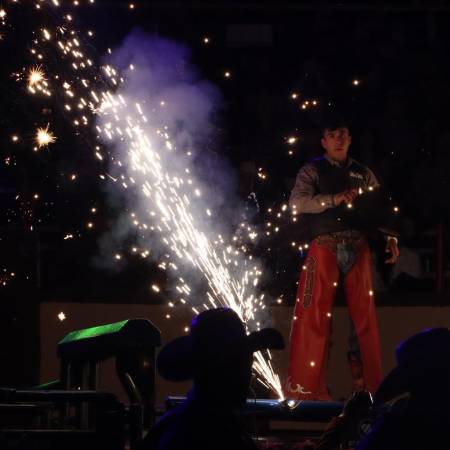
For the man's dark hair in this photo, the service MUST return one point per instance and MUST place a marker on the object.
(333, 121)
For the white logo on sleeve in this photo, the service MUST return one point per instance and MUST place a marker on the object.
(356, 175)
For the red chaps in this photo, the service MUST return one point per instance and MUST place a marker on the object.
(311, 323)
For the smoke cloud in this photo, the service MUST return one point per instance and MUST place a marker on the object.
(182, 112)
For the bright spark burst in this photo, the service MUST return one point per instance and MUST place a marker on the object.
(44, 137)
(35, 76)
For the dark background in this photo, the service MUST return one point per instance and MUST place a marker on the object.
(397, 51)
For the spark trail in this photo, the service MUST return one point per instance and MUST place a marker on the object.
(169, 196)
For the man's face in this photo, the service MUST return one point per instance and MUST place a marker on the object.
(336, 143)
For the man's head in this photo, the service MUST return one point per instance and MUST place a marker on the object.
(336, 139)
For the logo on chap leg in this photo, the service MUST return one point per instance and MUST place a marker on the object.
(298, 388)
(310, 269)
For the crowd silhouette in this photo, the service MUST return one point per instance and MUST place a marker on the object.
(409, 410)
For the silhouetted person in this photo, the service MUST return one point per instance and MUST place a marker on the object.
(217, 355)
(416, 396)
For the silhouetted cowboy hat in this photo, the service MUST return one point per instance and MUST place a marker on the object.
(216, 336)
(419, 359)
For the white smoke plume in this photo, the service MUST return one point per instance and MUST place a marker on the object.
(183, 112)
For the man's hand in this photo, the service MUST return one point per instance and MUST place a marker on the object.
(392, 248)
(345, 197)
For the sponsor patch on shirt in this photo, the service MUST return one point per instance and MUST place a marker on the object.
(356, 175)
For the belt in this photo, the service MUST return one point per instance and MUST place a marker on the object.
(334, 240)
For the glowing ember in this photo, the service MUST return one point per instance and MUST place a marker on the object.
(35, 76)
(44, 137)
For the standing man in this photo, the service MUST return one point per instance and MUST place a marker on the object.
(324, 191)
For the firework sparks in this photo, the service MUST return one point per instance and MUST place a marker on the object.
(230, 276)
(168, 196)
(44, 137)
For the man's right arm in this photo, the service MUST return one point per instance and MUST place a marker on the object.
(303, 197)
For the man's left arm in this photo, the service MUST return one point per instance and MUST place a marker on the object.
(371, 182)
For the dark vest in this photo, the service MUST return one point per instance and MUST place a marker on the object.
(333, 180)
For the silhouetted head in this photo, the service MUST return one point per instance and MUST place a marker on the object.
(423, 367)
(217, 355)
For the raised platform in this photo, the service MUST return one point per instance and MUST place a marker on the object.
(283, 425)
(276, 410)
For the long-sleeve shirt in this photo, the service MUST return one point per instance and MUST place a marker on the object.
(304, 198)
